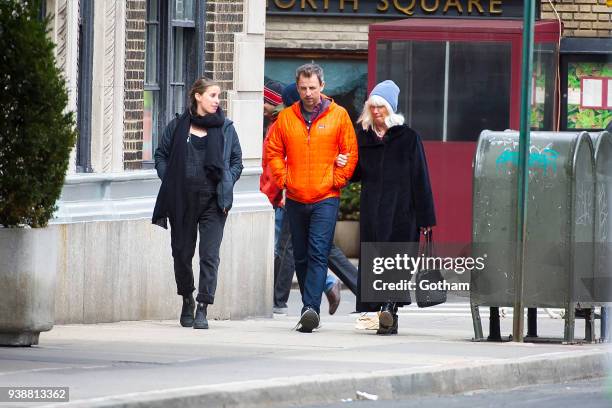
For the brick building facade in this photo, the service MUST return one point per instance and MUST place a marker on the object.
(581, 18)
(224, 19)
(134, 83)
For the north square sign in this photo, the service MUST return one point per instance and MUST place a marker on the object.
(511, 9)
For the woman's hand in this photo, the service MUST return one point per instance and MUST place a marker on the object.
(425, 230)
(342, 159)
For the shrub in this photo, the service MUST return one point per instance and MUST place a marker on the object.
(349, 203)
(36, 133)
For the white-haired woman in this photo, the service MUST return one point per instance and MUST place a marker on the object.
(396, 198)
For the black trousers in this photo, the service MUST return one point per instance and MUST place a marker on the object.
(202, 214)
(343, 268)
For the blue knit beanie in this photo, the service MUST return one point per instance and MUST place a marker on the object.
(290, 94)
(388, 91)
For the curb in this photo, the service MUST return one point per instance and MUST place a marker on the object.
(387, 384)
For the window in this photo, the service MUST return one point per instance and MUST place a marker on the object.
(586, 59)
(84, 80)
(152, 88)
(183, 65)
(345, 80)
(450, 91)
(587, 89)
(42, 11)
(174, 58)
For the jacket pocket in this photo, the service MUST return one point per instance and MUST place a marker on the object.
(225, 190)
(327, 181)
(289, 184)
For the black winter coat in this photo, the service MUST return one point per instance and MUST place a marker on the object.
(232, 160)
(396, 196)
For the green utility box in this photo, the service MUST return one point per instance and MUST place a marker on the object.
(602, 144)
(602, 280)
(558, 270)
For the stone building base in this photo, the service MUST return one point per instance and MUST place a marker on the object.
(121, 269)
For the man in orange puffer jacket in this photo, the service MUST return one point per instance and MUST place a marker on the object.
(301, 151)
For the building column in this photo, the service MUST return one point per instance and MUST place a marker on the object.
(64, 31)
(245, 101)
(108, 86)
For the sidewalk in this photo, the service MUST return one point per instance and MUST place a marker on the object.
(259, 363)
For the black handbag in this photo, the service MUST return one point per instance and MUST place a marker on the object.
(429, 297)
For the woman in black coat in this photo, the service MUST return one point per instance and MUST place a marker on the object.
(198, 160)
(396, 199)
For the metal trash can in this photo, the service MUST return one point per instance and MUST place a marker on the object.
(559, 224)
(602, 144)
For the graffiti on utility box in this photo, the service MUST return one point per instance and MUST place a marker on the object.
(545, 160)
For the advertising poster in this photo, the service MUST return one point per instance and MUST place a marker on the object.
(589, 104)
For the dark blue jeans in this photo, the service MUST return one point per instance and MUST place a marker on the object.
(312, 232)
(284, 266)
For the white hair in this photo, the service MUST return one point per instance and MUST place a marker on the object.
(393, 119)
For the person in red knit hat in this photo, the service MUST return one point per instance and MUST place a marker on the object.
(273, 104)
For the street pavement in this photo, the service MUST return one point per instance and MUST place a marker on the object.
(593, 393)
(262, 362)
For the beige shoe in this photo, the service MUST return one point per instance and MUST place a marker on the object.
(365, 322)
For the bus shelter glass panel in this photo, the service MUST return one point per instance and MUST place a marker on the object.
(545, 56)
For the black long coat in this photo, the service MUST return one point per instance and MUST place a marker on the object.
(170, 163)
(396, 197)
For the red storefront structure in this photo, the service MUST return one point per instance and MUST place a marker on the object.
(458, 77)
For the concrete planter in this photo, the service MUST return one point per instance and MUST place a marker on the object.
(347, 238)
(28, 264)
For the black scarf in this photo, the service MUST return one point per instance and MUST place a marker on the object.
(213, 160)
(171, 201)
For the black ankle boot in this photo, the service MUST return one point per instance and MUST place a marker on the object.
(387, 320)
(187, 311)
(200, 317)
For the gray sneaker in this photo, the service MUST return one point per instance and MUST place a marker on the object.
(280, 310)
(308, 321)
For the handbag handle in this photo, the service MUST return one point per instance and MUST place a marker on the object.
(428, 242)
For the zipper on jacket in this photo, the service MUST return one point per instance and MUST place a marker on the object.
(307, 131)
(307, 142)
(308, 128)
(223, 208)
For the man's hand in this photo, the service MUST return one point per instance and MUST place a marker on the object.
(282, 201)
(342, 159)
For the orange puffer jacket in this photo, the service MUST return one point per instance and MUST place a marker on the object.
(304, 161)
